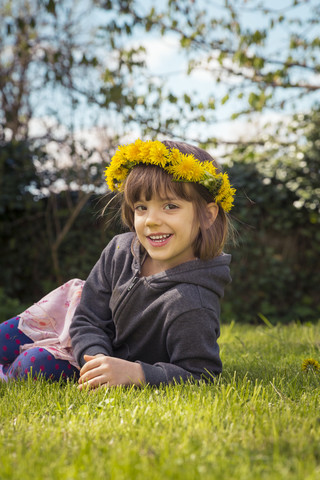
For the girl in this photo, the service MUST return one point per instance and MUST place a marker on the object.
(149, 311)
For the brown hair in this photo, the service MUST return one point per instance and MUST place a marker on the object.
(145, 180)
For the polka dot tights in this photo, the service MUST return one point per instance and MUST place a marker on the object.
(34, 361)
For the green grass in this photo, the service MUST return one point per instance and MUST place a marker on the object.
(260, 420)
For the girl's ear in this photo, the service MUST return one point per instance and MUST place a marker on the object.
(212, 211)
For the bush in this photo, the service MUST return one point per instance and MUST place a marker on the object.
(276, 264)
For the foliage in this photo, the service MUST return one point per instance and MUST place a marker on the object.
(18, 176)
(70, 94)
(276, 265)
(81, 249)
(27, 266)
(9, 306)
(26, 256)
(258, 420)
(21, 221)
(60, 66)
(258, 56)
(66, 66)
(45, 55)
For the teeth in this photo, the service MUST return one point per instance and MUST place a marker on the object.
(159, 237)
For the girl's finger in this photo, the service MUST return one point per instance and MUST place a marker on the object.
(89, 365)
(89, 375)
(92, 361)
(93, 383)
(87, 358)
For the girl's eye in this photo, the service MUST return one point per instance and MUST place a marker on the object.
(171, 206)
(140, 208)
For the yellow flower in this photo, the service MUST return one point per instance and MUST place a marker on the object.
(145, 152)
(174, 156)
(310, 364)
(158, 154)
(227, 203)
(210, 168)
(119, 158)
(183, 167)
(134, 150)
(225, 187)
(110, 183)
(115, 173)
(226, 193)
(189, 169)
(114, 180)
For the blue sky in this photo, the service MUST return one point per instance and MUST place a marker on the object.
(166, 61)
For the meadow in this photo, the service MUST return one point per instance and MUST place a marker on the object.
(259, 420)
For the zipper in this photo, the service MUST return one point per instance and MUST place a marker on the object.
(132, 284)
(119, 304)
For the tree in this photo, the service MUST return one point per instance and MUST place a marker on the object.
(260, 56)
(26, 267)
(277, 214)
(22, 245)
(74, 70)
(56, 93)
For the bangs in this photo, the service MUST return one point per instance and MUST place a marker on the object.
(149, 181)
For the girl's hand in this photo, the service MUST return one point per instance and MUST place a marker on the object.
(109, 371)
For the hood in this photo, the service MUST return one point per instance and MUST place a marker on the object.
(212, 274)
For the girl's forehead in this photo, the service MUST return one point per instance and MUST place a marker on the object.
(158, 196)
(168, 192)
(159, 192)
(152, 182)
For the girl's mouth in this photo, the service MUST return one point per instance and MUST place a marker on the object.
(159, 240)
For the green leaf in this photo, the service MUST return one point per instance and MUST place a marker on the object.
(172, 98)
(51, 7)
(224, 99)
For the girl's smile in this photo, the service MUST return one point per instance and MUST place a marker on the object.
(166, 228)
(159, 240)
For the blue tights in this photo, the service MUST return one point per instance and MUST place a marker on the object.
(34, 361)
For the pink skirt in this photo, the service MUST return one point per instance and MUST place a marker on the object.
(47, 322)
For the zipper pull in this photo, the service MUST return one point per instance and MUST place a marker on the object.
(132, 284)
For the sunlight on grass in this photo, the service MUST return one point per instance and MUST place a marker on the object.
(259, 420)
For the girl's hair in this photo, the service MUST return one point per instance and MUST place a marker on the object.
(145, 180)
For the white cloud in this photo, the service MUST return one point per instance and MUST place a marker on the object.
(163, 56)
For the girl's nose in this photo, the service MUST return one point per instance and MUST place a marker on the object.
(153, 217)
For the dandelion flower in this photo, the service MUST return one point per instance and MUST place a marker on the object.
(120, 157)
(183, 167)
(226, 193)
(158, 154)
(134, 150)
(189, 169)
(144, 155)
(114, 175)
(210, 168)
(310, 364)
(175, 156)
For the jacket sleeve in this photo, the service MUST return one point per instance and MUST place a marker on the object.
(192, 347)
(92, 329)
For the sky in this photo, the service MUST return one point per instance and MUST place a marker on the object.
(165, 60)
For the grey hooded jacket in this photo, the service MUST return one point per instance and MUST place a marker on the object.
(168, 322)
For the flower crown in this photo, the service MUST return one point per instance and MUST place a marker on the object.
(182, 167)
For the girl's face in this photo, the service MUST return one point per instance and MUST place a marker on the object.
(166, 228)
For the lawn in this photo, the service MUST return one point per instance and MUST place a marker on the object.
(260, 420)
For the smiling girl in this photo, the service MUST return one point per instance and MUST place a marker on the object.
(149, 311)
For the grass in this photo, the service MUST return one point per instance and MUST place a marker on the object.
(260, 420)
